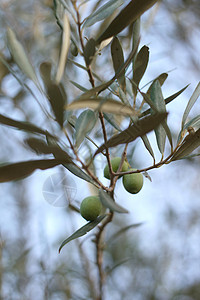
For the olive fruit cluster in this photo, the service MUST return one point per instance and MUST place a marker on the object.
(133, 183)
(90, 208)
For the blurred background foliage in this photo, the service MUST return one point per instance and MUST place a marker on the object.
(158, 260)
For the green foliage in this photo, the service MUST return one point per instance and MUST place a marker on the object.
(82, 119)
(103, 12)
(109, 202)
(127, 16)
(82, 231)
(19, 55)
(101, 99)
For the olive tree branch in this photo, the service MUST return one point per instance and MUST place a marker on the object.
(99, 253)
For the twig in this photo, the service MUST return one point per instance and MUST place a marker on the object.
(99, 254)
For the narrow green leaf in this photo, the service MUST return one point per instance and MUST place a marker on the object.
(45, 73)
(102, 104)
(80, 87)
(74, 169)
(127, 16)
(20, 57)
(104, 86)
(64, 48)
(154, 109)
(110, 119)
(89, 51)
(16, 171)
(136, 39)
(161, 78)
(55, 92)
(96, 90)
(122, 95)
(189, 144)
(190, 104)
(22, 125)
(108, 202)
(148, 145)
(82, 231)
(135, 130)
(84, 124)
(57, 101)
(77, 64)
(167, 100)
(195, 122)
(118, 61)
(40, 147)
(158, 99)
(140, 66)
(103, 12)
(175, 95)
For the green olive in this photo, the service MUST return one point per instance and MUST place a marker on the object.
(115, 162)
(90, 208)
(74, 49)
(133, 182)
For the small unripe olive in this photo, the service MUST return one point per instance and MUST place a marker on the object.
(74, 49)
(115, 162)
(133, 182)
(90, 208)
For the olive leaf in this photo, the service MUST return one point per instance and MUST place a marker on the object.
(135, 130)
(103, 12)
(82, 231)
(84, 124)
(148, 145)
(16, 171)
(98, 89)
(80, 87)
(127, 16)
(109, 118)
(108, 202)
(167, 100)
(102, 104)
(55, 93)
(19, 55)
(118, 61)
(64, 48)
(26, 126)
(89, 51)
(74, 169)
(189, 144)
(161, 78)
(140, 65)
(40, 147)
(45, 73)
(190, 104)
(195, 122)
(57, 100)
(155, 110)
(136, 39)
(158, 99)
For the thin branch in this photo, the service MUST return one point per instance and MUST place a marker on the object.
(99, 253)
